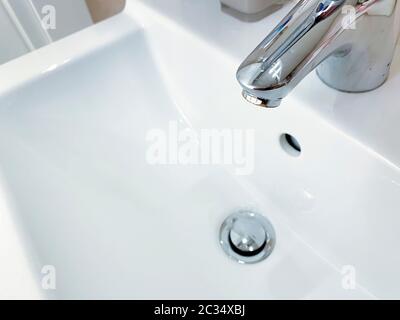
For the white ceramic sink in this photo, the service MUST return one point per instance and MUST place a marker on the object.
(79, 194)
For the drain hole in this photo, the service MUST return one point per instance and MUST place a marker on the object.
(247, 237)
(290, 145)
(248, 251)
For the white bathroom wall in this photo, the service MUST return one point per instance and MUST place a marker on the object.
(71, 16)
(20, 24)
(12, 44)
(23, 14)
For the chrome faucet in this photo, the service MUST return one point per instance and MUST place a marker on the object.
(351, 44)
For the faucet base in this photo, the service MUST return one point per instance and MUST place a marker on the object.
(362, 61)
(352, 74)
(340, 88)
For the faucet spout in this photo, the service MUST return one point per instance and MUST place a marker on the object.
(350, 42)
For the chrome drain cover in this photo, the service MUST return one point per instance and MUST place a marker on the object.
(247, 237)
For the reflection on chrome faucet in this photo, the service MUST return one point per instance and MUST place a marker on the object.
(351, 44)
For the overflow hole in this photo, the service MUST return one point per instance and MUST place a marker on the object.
(290, 144)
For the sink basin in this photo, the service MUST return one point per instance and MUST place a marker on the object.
(82, 197)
